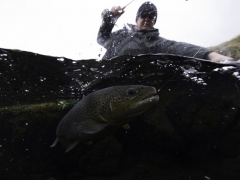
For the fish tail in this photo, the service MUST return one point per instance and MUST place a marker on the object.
(55, 142)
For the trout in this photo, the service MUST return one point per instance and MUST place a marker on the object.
(112, 106)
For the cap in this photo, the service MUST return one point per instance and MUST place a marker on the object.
(147, 8)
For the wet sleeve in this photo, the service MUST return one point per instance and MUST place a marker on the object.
(181, 48)
(104, 33)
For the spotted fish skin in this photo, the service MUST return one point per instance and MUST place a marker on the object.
(112, 106)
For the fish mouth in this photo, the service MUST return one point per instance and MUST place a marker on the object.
(149, 98)
(143, 102)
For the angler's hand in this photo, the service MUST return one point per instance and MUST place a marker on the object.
(215, 57)
(117, 11)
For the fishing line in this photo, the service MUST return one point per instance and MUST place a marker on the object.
(166, 82)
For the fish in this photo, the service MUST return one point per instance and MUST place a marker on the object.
(109, 107)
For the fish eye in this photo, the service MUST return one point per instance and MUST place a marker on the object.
(131, 91)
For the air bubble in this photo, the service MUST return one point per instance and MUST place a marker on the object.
(60, 59)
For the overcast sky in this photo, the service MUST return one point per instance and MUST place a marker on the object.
(69, 28)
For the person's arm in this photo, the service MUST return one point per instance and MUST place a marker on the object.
(190, 50)
(215, 57)
(109, 19)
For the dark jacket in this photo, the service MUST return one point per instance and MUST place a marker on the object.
(130, 41)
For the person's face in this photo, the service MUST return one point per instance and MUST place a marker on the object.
(146, 21)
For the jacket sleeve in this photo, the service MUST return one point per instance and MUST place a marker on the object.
(104, 33)
(182, 48)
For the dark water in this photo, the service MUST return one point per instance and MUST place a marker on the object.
(192, 133)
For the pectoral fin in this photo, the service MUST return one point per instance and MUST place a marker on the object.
(126, 126)
(72, 146)
(90, 127)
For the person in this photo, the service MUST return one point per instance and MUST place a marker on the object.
(143, 38)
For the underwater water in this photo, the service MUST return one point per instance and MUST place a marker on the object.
(193, 132)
